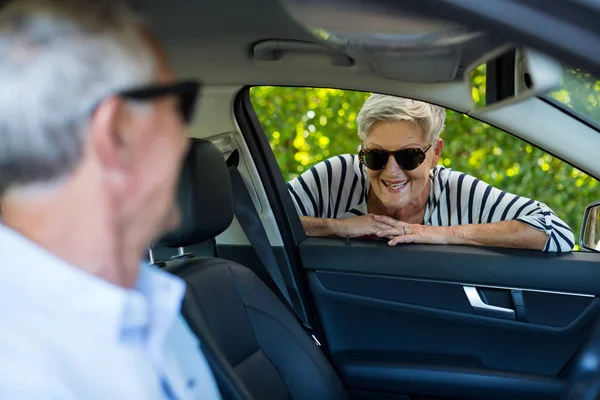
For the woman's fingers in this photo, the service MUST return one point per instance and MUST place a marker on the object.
(402, 239)
(376, 228)
(389, 232)
(382, 226)
(403, 231)
(388, 220)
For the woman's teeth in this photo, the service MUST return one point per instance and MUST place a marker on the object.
(395, 185)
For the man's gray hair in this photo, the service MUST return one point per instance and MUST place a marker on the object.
(58, 59)
(378, 107)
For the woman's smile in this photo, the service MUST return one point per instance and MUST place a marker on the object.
(394, 186)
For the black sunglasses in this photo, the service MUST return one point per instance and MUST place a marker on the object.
(407, 159)
(186, 91)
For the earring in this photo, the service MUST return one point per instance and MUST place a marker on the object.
(434, 173)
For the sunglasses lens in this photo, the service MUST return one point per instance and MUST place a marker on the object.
(185, 109)
(375, 159)
(410, 159)
(187, 101)
(186, 91)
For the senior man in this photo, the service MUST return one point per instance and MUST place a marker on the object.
(92, 131)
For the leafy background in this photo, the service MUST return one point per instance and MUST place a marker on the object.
(307, 125)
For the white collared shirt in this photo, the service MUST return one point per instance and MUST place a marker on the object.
(66, 334)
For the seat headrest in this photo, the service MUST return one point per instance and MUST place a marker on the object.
(204, 195)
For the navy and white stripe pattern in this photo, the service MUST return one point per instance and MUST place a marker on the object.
(338, 187)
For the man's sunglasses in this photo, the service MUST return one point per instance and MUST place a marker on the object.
(407, 159)
(186, 91)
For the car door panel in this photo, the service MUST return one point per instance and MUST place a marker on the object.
(398, 320)
(568, 273)
(556, 311)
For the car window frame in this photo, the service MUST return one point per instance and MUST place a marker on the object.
(474, 117)
(572, 113)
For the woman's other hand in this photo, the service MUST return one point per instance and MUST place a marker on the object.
(401, 232)
(364, 225)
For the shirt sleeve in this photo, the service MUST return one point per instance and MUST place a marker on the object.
(488, 204)
(306, 192)
(321, 191)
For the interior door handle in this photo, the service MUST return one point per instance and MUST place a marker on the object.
(479, 307)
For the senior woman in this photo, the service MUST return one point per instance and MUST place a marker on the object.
(394, 189)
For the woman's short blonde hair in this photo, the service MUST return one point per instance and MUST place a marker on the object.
(378, 107)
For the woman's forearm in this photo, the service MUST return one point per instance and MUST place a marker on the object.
(360, 226)
(510, 234)
(314, 226)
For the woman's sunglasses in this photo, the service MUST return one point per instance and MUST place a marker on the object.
(407, 159)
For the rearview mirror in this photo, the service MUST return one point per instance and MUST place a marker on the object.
(511, 74)
(590, 228)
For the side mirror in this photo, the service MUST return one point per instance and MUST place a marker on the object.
(590, 228)
(509, 75)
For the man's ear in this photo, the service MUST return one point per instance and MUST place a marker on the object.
(107, 134)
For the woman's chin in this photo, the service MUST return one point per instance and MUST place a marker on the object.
(394, 201)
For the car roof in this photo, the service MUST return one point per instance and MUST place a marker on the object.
(214, 42)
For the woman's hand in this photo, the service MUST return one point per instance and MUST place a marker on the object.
(401, 232)
(365, 225)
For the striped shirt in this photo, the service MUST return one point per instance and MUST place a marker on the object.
(338, 188)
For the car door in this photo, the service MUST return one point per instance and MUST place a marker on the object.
(426, 321)
(451, 322)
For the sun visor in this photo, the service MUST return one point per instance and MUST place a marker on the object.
(397, 46)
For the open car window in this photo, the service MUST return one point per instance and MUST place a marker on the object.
(308, 125)
(579, 94)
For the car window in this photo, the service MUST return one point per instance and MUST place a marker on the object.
(579, 93)
(306, 125)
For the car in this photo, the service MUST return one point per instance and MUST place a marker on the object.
(413, 321)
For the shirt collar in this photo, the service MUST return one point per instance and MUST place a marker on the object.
(164, 293)
(35, 276)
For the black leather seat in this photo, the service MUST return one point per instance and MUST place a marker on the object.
(256, 347)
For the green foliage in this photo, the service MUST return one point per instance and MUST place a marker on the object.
(580, 91)
(305, 126)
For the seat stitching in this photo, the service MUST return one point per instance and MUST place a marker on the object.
(247, 358)
(228, 265)
(280, 323)
(260, 351)
(295, 338)
(235, 282)
(191, 272)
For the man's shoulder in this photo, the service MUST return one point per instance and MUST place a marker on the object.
(25, 375)
(32, 333)
(54, 358)
(29, 367)
(22, 380)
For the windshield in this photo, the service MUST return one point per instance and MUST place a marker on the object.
(579, 93)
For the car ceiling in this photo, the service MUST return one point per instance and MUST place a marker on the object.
(213, 42)
(216, 40)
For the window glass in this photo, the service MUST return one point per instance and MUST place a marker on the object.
(579, 92)
(306, 126)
